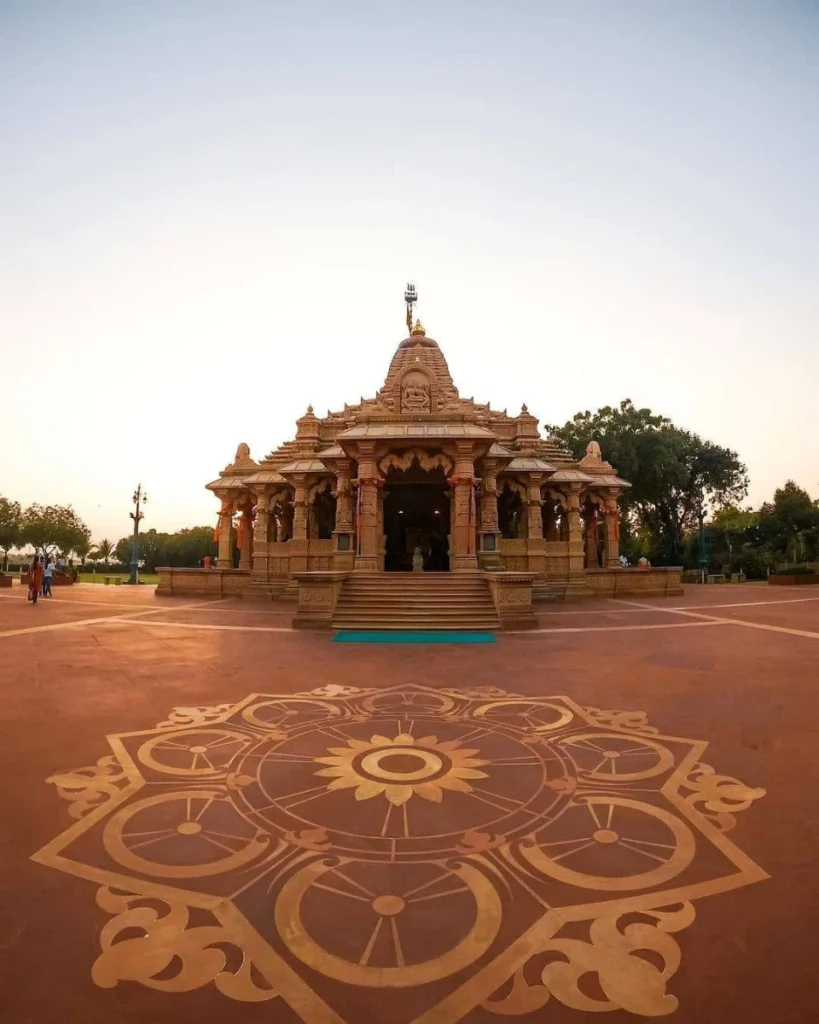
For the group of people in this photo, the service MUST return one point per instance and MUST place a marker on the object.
(40, 575)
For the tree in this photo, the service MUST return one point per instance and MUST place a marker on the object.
(82, 546)
(673, 472)
(185, 547)
(103, 551)
(52, 527)
(733, 543)
(9, 527)
(790, 524)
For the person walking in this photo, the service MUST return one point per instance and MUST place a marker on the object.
(35, 579)
(48, 573)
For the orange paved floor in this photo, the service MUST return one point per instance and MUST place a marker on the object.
(437, 834)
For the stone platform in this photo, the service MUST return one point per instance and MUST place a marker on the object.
(212, 816)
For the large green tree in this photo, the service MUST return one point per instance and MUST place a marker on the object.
(184, 548)
(51, 528)
(790, 524)
(674, 473)
(9, 527)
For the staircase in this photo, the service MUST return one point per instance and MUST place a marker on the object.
(407, 601)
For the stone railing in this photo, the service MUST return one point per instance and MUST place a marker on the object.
(635, 581)
(318, 596)
(558, 559)
(175, 581)
(512, 596)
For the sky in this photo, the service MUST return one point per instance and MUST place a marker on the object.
(209, 211)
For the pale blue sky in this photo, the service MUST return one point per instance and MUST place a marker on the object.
(219, 204)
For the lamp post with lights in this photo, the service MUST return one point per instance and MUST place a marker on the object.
(139, 498)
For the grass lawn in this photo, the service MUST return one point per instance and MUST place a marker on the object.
(98, 577)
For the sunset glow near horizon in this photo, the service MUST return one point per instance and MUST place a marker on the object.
(210, 211)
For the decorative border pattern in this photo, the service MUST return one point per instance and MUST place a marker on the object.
(549, 905)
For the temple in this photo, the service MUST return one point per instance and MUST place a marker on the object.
(417, 479)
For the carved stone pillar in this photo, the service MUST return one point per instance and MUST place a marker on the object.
(573, 511)
(300, 512)
(344, 556)
(462, 557)
(225, 529)
(534, 505)
(369, 541)
(489, 530)
(612, 535)
(535, 548)
(262, 525)
(298, 547)
(261, 530)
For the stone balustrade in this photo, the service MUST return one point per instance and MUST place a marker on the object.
(635, 581)
(318, 596)
(512, 596)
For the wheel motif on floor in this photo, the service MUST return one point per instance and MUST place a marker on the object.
(608, 836)
(376, 854)
(197, 827)
(200, 752)
(612, 757)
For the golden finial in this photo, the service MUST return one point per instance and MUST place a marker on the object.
(418, 328)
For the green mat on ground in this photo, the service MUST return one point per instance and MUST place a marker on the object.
(420, 636)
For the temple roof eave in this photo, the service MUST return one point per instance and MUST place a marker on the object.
(416, 431)
(570, 476)
(499, 451)
(311, 465)
(529, 465)
(265, 476)
(609, 480)
(226, 483)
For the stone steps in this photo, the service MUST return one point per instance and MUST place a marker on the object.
(422, 601)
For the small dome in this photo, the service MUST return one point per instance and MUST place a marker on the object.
(418, 339)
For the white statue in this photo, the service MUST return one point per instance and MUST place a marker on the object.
(417, 560)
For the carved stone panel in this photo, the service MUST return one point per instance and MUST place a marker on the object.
(415, 393)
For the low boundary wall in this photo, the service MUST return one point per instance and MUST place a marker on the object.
(635, 581)
(175, 582)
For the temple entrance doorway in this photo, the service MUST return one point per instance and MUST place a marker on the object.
(416, 515)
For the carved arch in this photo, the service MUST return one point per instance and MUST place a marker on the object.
(325, 484)
(593, 498)
(426, 461)
(513, 484)
(281, 493)
(554, 494)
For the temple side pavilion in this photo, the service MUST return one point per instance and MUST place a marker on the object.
(416, 468)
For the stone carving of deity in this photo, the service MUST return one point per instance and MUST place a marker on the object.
(415, 398)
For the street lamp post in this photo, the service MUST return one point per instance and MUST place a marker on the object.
(140, 497)
(703, 553)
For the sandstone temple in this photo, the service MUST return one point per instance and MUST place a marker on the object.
(416, 481)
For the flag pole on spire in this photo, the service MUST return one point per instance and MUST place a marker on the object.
(410, 297)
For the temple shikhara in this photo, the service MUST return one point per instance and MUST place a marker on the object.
(416, 480)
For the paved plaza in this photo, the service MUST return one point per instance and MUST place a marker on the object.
(209, 816)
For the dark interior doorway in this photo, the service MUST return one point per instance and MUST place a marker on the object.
(416, 514)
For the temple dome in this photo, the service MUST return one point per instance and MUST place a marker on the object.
(418, 339)
(418, 352)
(418, 336)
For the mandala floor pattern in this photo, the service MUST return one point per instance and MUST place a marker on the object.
(404, 854)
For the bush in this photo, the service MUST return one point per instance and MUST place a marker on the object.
(796, 570)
